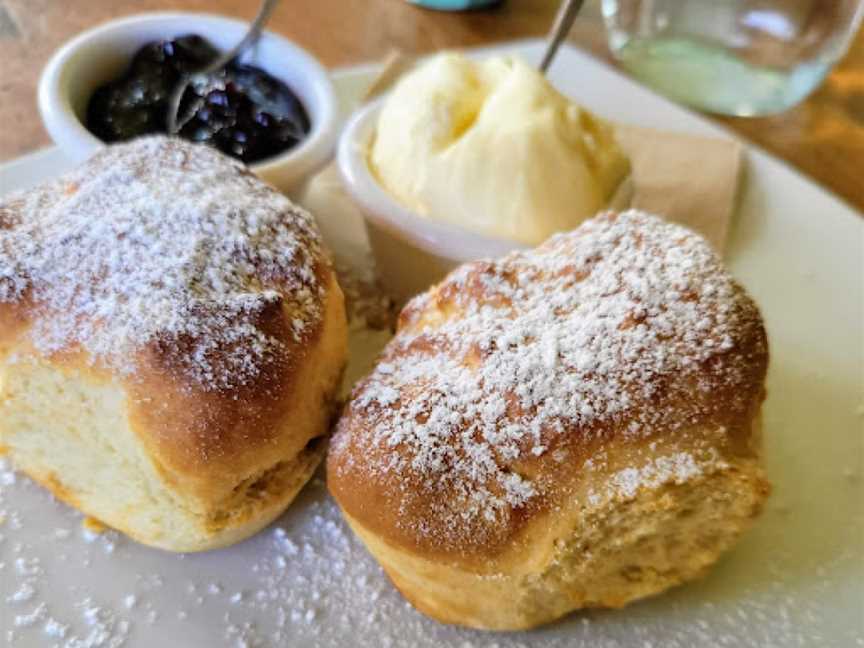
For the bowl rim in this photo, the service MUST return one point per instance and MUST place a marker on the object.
(384, 211)
(68, 131)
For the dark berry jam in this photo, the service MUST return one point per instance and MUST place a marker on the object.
(239, 109)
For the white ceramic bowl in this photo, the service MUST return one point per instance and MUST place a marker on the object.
(103, 53)
(412, 251)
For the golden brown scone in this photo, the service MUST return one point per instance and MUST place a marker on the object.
(171, 339)
(571, 426)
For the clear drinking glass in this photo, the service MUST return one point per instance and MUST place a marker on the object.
(735, 57)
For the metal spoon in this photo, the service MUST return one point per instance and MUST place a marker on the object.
(560, 28)
(264, 11)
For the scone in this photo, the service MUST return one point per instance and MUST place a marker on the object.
(571, 426)
(171, 339)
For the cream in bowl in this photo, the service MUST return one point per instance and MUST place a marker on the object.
(466, 159)
(274, 108)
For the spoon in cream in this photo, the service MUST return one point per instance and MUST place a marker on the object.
(560, 28)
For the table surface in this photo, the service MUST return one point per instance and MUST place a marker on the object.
(823, 136)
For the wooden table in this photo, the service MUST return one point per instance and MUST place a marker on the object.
(823, 136)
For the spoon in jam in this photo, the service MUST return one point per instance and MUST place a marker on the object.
(560, 28)
(255, 28)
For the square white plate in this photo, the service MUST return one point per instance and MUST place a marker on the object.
(797, 578)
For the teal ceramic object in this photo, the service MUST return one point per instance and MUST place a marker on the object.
(454, 5)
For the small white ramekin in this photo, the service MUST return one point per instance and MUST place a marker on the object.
(412, 251)
(101, 54)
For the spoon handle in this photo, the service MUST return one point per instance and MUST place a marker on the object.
(264, 11)
(252, 34)
(560, 28)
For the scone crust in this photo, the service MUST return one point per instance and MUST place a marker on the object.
(695, 389)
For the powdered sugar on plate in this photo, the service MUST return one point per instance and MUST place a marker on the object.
(308, 581)
(161, 241)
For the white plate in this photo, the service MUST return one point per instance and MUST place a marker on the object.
(796, 579)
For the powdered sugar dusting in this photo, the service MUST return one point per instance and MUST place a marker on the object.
(506, 359)
(676, 468)
(161, 241)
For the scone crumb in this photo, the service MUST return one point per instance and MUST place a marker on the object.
(93, 525)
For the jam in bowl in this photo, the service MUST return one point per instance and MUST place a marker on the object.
(240, 109)
(273, 108)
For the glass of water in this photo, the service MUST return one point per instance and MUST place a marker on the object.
(735, 57)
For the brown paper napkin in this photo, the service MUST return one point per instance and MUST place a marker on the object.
(689, 179)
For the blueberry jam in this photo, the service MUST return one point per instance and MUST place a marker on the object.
(239, 109)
